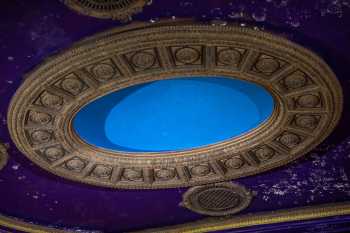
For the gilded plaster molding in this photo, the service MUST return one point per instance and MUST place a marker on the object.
(308, 103)
(214, 223)
(256, 219)
(122, 10)
(21, 225)
(3, 156)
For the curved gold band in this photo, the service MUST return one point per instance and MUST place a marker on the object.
(215, 224)
(21, 225)
(278, 216)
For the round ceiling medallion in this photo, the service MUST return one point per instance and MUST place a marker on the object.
(217, 200)
(115, 9)
(307, 103)
(3, 155)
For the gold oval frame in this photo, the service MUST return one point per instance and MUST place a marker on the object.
(307, 94)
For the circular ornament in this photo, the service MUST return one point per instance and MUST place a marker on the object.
(71, 85)
(75, 164)
(121, 10)
(229, 56)
(42, 110)
(309, 101)
(235, 162)
(217, 200)
(143, 60)
(53, 153)
(39, 117)
(307, 121)
(187, 55)
(267, 65)
(297, 80)
(165, 174)
(104, 72)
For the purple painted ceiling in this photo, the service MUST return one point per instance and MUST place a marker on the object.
(32, 30)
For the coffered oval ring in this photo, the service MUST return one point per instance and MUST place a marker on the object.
(308, 103)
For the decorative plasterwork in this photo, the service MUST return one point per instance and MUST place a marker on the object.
(114, 9)
(219, 199)
(3, 155)
(308, 103)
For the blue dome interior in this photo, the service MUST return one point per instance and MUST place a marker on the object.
(174, 114)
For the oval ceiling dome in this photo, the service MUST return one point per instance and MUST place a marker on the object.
(174, 114)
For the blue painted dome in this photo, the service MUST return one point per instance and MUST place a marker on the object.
(175, 114)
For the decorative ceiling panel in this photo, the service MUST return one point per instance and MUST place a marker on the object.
(115, 9)
(307, 95)
(31, 197)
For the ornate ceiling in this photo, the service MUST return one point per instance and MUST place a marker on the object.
(55, 61)
(116, 9)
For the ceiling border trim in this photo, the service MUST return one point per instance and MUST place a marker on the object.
(262, 218)
(21, 225)
(213, 223)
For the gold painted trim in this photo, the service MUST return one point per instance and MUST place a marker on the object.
(3, 155)
(214, 224)
(308, 103)
(20, 225)
(249, 220)
(122, 10)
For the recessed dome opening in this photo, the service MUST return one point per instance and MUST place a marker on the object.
(174, 114)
